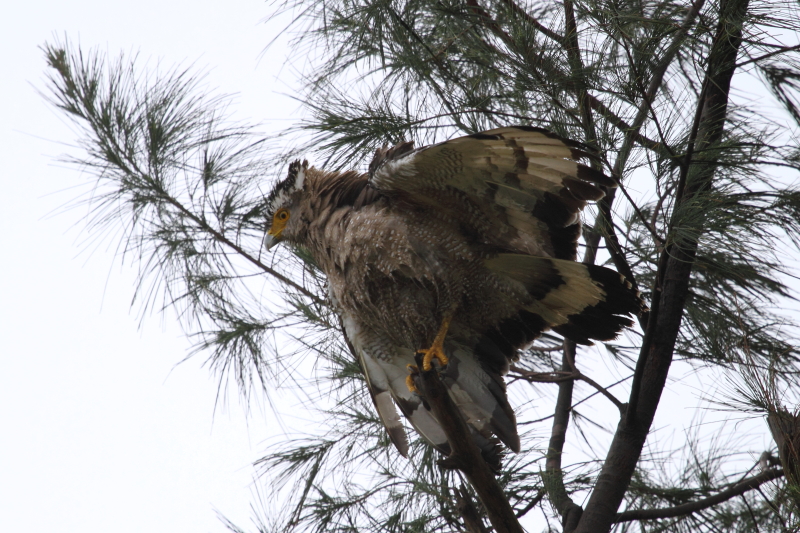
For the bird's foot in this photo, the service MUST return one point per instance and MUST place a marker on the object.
(428, 357)
(434, 352)
(413, 370)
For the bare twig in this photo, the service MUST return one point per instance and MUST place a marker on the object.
(553, 476)
(532, 503)
(602, 390)
(576, 404)
(559, 376)
(544, 377)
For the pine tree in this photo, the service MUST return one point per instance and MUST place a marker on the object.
(703, 222)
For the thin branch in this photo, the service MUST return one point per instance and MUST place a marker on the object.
(544, 377)
(783, 50)
(602, 390)
(559, 376)
(693, 507)
(531, 504)
(535, 23)
(224, 240)
(576, 404)
(553, 476)
(626, 128)
(750, 510)
(469, 513)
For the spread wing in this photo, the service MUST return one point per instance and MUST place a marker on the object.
(528, 184)
(519, 190)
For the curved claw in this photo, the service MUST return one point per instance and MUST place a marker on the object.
(434, 352)
(412, 371)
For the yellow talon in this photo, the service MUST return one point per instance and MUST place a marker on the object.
(436, 351)
(412, 371)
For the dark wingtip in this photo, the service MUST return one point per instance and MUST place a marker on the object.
(606, 319)
(594, 176)
(493, 455)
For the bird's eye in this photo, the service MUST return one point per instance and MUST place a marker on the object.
(283, 214)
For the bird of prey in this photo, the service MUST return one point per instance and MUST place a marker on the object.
(464, 250)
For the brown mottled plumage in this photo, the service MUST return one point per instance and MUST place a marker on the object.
(487, 225)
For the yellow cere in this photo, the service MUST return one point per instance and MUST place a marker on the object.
(279, 221)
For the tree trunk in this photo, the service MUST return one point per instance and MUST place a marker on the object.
(672, 280)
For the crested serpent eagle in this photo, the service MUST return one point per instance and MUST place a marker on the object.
(464, 250)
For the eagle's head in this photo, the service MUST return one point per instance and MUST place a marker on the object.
(283, 205)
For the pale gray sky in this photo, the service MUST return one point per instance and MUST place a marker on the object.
(100, 431)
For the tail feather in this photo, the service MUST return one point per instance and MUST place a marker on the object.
(391, 419)
(477, 395)
(481, 397)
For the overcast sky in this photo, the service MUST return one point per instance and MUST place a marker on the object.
(100, 429)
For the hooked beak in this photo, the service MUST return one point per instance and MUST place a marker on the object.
(270, 241)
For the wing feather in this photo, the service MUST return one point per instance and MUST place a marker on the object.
(379, 390)
(581, 302)
(510, 174)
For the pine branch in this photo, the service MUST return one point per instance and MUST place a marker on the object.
(672, 285)
(221, 238)
(559, 376)
(656, 81)
(694, 507)
(629, 131)
(515, 8)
